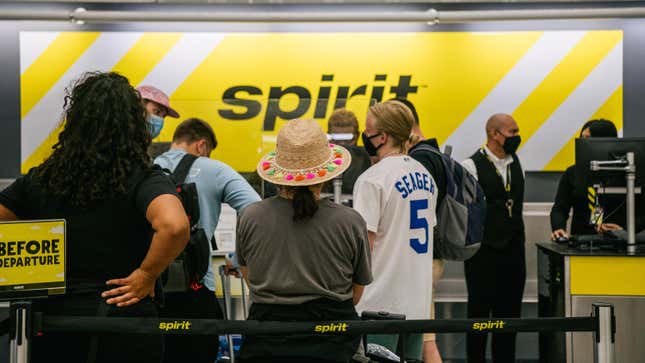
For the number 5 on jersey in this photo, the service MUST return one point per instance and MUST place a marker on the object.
(418, 223)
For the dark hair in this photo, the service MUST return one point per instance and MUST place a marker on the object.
(304, 203)
(104, 140)
(410, 105)
(195, 129)
(600, 128)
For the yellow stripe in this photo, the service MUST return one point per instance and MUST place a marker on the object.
(611, 110)
(136, 64)
(607, 275)
(42, 152)
(145, 55)
(50, 66)
(564, 79)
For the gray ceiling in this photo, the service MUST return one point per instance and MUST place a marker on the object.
(317, 1)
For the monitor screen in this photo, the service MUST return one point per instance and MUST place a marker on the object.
(609, 149)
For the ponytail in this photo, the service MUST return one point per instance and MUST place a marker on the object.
(304, 204)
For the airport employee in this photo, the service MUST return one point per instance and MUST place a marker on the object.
(568, 196)
(495, 276)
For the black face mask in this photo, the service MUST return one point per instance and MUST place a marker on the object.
(511, 144)
(367, 144)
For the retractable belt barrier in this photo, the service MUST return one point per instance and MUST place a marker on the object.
(26, 324)
(179, 326)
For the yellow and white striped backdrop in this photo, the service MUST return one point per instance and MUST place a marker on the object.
(552, 82)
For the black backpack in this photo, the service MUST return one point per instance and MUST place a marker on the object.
(187, 270)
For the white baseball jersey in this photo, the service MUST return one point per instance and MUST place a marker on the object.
(397, 197)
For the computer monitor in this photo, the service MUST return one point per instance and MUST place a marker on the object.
(609, 149)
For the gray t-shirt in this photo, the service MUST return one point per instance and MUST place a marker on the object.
(295, 262)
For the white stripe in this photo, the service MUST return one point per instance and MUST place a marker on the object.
(181, 61)
(102, 55)
(32, 45)
(583, 102)
(513, 89)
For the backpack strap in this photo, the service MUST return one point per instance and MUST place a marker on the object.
(447, 163)
(424, 147)
(182, 169)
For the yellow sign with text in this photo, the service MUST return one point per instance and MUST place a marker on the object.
(247, 85)
(32, 256)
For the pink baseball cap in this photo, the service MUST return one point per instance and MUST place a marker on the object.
(156, 95)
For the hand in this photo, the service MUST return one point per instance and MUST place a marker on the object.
(559, 233)
(606, 227)
(139, 285)
(230, 270)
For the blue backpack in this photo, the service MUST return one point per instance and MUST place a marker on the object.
(462, 214)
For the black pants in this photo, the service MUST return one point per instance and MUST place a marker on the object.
(301, 348)
(200, 304)
(73, 348)
(495, 281)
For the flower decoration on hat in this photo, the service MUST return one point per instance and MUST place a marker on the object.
(303, 156)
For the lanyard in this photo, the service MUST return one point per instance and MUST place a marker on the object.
(509, 197)
(507, 187)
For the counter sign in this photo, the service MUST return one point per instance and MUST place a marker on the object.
(32, 258)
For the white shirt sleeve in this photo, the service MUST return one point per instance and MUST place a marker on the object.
(469, 165)
(367, 202)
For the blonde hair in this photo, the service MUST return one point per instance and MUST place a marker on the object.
(395, 119)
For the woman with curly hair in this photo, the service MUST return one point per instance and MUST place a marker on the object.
(125, 223)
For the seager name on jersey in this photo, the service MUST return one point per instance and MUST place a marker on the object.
(414, 181)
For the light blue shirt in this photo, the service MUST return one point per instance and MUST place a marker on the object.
(216, 183)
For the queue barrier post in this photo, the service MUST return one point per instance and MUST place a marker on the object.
(20, 331)
(228, 313)
(605, 334)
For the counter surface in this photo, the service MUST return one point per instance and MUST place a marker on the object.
(565, 250)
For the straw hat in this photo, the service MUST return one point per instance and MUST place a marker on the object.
(303, 156)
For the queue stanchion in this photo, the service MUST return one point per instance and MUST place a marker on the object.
(228, 313)
(605, 334)
(20, 331)
(245, 309)
(338, 188)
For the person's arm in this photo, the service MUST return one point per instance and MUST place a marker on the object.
(237, 192)
(172, 232)
(608, 227)
(357, 293)
(561, 207)
(371, 236)
(362, 261)
(7, 214)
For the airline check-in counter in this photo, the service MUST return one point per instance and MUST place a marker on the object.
(571, 279)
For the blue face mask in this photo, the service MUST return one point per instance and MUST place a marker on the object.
(155, 124)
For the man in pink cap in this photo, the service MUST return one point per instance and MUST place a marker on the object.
(158, 106)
